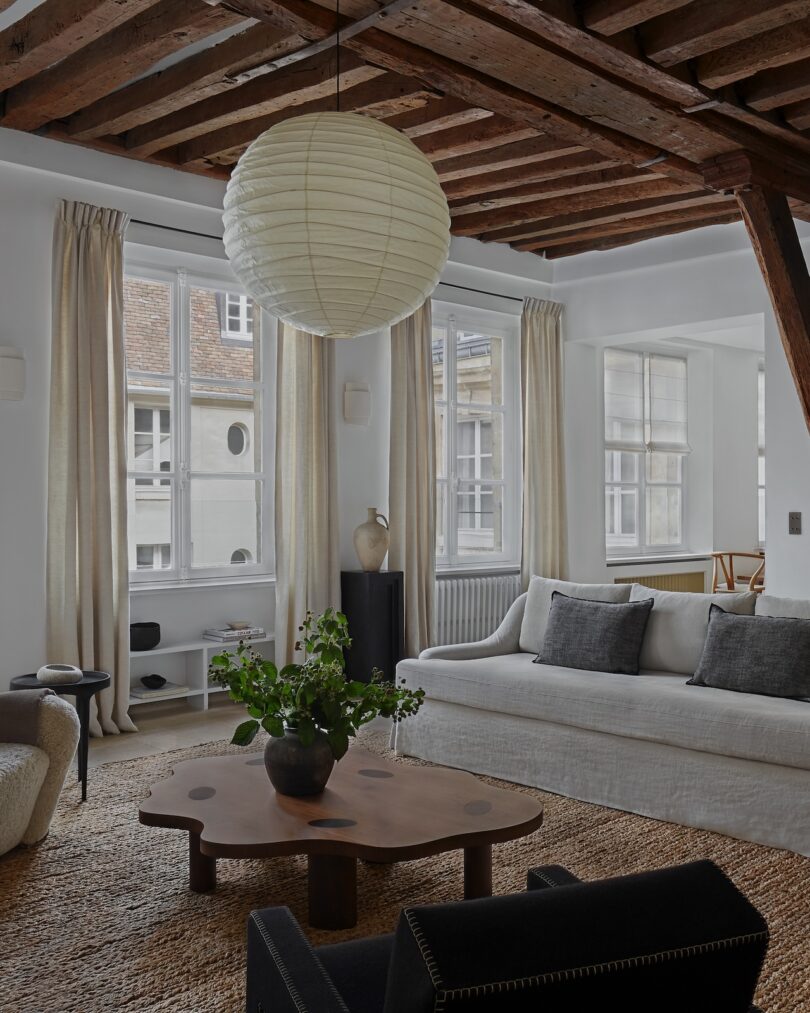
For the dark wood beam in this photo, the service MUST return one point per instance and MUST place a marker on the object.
(612, 242)
(54, 30)
(503, 157)
(112, 60)
(505, 185)
(733, 63)
(773, 88)
(608, 17)
(798, 114)
(472, 137)
(220, 68)
(704, 27)
(437, 115)
(739, 169)
(776, 244)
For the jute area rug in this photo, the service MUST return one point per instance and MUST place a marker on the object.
(99, 916)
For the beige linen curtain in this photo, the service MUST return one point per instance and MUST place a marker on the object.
(87, 566)
(544, 550)
(412, 474)
(307, 559)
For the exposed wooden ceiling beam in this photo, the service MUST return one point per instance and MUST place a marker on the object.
(500, 182)
(54, 30)
(798, 114)
(742, 170)
(703, 27)
(608, 17)
(437, 115)
(612, 242)
(112, 60)
(217, 69)
(470, 85)
(502, 157)
(472, 137)
(486, 221)
(311, 79)
(773, 88)
(733, 63)
(776, 244)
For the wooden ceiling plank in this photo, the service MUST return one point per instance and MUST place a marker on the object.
(54, 30)
(112, 60)
(437, 115)
(627, 239)
(742, 169)
(196, 78)
(502, 157)
(703, 27)
(798, 114)
(608, 17)
(364, 96)
(772, 49)
(500, 182)
(290, 86)
(773, 88)
(776, 244)
(470, 85)
(472, 137)
(486, 221)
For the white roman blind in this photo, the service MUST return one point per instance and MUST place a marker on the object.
(645, 402)
(624, 400)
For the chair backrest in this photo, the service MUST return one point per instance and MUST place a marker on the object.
(724, 577)
(679, 940)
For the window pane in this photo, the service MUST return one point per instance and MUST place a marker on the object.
(664, 467)
(149, 525)
(621, 466)
(439, 337)
(441, 519)
(149, 438)
(479, 369)
(621, 517)
(479, 444)
(624, 396)
(225, 519)
(225, 429)
(147, 325)
(663, 515)
(221, 345)
(440, 428)
(761, 407)
(667, 381)
(480, 519)
(761, 498)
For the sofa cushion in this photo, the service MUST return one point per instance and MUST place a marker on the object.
(677, 628)
(756, 654)
(655, 706)
(597, 636)
(786, 608)
(22, 772)
(538, 603)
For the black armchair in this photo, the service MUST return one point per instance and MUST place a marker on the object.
(678, 940)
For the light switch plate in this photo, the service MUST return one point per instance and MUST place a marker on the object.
(794, 523)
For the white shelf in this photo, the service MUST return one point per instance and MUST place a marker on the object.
(198, 645)
(135, 700)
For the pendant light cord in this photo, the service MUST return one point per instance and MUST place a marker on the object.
(337, 56)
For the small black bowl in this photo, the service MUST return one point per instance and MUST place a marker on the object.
(143, 636)
(153, 681)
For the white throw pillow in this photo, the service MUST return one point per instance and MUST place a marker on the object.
(538, 602)
(679, 621)
(782, 608)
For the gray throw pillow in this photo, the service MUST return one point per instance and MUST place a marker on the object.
(756, 654)
(595, 636)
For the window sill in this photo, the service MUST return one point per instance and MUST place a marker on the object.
(482, 570)
(158, 586)
(678, 557)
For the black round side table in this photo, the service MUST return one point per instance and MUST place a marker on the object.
(92, 683)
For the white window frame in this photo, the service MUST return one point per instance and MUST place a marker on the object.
(180, 476)
(243, 335)
(642, 548)
(506, 327)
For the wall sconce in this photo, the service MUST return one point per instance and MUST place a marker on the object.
(12, 374)
(357, 404)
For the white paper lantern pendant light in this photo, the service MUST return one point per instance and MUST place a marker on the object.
(336, 223)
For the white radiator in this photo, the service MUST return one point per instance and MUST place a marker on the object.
(470, 608)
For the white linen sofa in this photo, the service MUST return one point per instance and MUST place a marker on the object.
(732, 762)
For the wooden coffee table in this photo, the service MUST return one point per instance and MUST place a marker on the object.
(372, 809)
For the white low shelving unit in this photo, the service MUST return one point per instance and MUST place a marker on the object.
(187, 665)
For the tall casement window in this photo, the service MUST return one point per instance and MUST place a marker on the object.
(197, 497)
(761, 454)
(477, 438)
(646, 450)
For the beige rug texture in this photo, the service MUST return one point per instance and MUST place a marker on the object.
(99, 917)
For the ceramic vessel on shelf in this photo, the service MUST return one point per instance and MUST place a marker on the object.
(371, 541)
(143, 636)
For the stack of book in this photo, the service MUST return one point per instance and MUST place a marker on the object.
(229, 636)
(167, 689)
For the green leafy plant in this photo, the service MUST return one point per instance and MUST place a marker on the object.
(311, 697)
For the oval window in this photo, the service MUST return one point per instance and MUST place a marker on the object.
(237, 439)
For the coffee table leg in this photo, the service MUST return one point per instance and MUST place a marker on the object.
(332, 884)
(83, 709)
(202, 869)
(478, 872)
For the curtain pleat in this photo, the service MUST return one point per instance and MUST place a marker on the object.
(306, 529)
(412, 474)
(87, 590)
(544, 542)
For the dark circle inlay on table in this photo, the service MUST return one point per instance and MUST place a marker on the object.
(198, 794)
(333, 823)
(477, 808)
(373, 772)
(259, 761)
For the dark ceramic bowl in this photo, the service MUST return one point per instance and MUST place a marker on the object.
(143, 636)
(153, 681)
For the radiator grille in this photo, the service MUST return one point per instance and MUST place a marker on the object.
(470, 608)
(669, 581)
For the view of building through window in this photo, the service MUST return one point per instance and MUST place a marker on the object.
(193, 417)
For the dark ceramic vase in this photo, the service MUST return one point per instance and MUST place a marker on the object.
(296, 769)
(143, 636)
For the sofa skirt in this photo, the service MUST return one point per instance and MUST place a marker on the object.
(753, 801)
